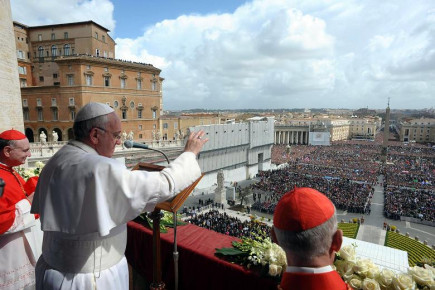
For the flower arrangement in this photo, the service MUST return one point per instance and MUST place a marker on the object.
(166, 221)
(364, 274)
(257, 252)
(27, 173)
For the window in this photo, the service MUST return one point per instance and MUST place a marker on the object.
(153, 86)
(96, 35)
(103, 37)
(139, 84)
(106, 69)
(140, 136)
(106, 81)
(73, 115)
(165, 125)
(70, 79)
(38, 102)
(154, 126)
(40, 51)
(115, 104)
(139, 115)
(88, 80)
(22, 70)
(53, 36)
(39, 37)
(66, 49)
(55, 114)
(23, 83)
(175, 125)
(41, 78)
(25, 104)
(53, 102)
(20, 54)
(55, 76)
(88, 66)
(65, 35)
(53, 50)
(26, 115)
(105, 53)
(140, 127)
(40, 115)
(71, 101)
(124, 114)
(132, 104)
(154, 114)
(122, 83)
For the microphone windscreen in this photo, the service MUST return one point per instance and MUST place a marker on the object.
(128, 144)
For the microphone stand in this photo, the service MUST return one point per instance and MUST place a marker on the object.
(161, 152)
(174, 218)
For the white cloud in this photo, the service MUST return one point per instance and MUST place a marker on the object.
(278, 53)
(34, 13)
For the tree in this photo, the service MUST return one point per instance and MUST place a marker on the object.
(244, 193)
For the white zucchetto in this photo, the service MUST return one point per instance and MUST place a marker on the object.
(92, 110)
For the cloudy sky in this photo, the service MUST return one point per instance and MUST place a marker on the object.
(232, 54)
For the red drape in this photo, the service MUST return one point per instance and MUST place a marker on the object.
(198, 267)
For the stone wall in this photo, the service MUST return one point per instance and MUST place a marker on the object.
(10, 96)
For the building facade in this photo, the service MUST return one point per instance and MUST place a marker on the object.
(418, 130)
(298, 131)
(66, 66)
(175, 127)
(239, 149)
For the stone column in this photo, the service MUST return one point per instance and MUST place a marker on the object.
(292, 138)
(10, 94)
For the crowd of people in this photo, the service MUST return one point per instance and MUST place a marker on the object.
(344, 193)
(344, 164)
(409, 202)
(228, 225)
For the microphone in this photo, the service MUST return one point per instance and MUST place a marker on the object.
(131, 144)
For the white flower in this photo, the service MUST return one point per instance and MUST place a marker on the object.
(273, 270)
(422, 276)
(385, 278)
(355, 282)
(345, 269)
(362, 267)
(370, 284)
(347, 253)
(403, 282)
(39, 164)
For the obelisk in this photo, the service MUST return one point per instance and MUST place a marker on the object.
(386, 133)
(10, 94)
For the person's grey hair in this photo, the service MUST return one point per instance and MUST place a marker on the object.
(311, 243)
(81, 129)
(4, 143)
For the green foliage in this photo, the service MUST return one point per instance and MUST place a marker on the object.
(417, 252)
(350, 230)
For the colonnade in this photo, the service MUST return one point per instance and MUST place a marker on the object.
(291, 137)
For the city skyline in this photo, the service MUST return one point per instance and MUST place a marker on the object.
(268, 54)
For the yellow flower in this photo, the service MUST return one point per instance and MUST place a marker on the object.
(370, 284)
(403, 282)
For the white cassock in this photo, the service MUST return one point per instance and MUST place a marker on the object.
(20, 248)
(84, 201)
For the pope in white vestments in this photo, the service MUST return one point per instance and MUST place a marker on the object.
(85, 199)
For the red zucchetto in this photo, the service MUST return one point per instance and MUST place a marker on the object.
(301, 209)
(12, 135)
